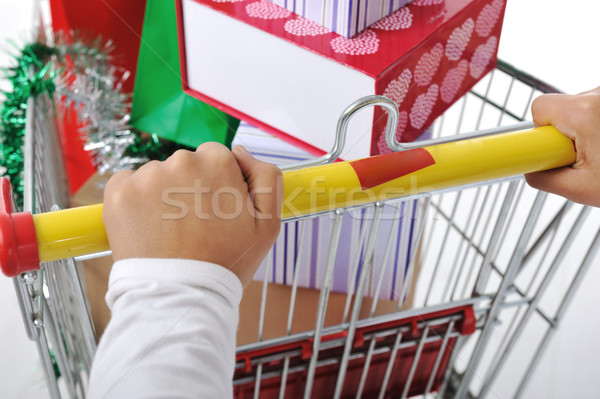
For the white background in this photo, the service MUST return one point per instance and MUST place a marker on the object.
(554, 40)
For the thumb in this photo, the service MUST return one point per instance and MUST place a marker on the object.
(265, 183)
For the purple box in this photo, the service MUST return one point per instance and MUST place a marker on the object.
(344, 17)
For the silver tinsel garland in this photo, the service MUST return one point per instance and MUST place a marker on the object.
(92, 86)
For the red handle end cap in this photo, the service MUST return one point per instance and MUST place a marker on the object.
(18, 242)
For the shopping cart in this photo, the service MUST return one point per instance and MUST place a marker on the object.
(53, 300)
(489, 270)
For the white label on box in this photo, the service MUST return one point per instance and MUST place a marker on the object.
(276, 82)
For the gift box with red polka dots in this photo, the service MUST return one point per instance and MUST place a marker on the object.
(293, 78)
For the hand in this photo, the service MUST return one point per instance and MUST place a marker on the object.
(212, 205)
(577, 117)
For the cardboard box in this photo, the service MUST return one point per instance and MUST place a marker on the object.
(95, 271)
(344, 17)
(305, 311)
(260, 63)
(277, 308)
(308, 242)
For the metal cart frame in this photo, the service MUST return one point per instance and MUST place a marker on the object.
(481, 262)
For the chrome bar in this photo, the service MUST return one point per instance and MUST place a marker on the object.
(511, 271)
(365, 371)
(28, 153)
(449, 382)
(413, 368)
(358, 298)
(353, 271)
(485, 96)
(456, 269)
(398, 146)
(323, 299)
(494, 243)
(342, 128)
(263, 301)
(85, 323)
(503, 109)
(536, 299)
(588, 261)
(472, 268)
(26, 306)
(60, 351)
(479, 305)
(549, 229)
(405, 242)
(438, 358)
(443, 246)
(395, 228)
(92, 256)
(414, 254)
(297, 264)
(514, 206)
(44, 352)
(390, 366)
(297, 267)
(257, 381)
(461, 116)
(528, 106)
(284, 374)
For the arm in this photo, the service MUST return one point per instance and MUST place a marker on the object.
(577, 117)
(186, 234)
(172, 331)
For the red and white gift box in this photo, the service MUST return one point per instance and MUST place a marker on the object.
(293, 78)
(344, 17)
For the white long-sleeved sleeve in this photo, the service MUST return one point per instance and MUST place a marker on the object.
(171, 333)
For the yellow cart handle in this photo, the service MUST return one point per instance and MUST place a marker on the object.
(80, 231)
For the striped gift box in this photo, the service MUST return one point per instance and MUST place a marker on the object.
(344, 17)
(307, 243)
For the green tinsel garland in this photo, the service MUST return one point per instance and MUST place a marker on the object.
(152, 147)
(29, 77)
(85, 82)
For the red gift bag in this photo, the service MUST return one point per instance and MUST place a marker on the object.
(115, 20)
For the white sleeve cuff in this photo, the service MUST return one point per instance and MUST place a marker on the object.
(193, 273)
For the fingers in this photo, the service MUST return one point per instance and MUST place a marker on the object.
(567, 182)
(570, 114)
(216, 158)
(116, 180)
(263, 179)
(148, 165)
(264, 183)
(549, 109)
(115, 195)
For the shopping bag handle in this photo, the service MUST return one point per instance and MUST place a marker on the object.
(420, 171)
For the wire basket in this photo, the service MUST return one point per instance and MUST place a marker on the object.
(497, 248)
(453, 293)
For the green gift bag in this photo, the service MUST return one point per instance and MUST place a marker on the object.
(159, 104)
